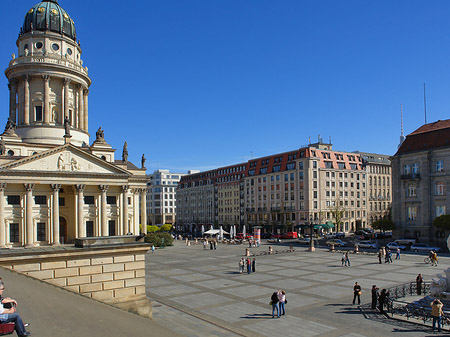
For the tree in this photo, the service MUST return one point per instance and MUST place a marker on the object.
(166, 228)
(337, 211)
(383, 225)
(442, 222)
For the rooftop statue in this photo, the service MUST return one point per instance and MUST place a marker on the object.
(100, 134)
(67, 127)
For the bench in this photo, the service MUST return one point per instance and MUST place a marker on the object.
(6, 328)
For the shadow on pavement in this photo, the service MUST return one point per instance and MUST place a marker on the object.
(257, 316)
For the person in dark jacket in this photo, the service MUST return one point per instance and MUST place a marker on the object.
(357, 293)
(253, 265)
(374, 297)
(274, 302)
(419, 281)
(382, 299)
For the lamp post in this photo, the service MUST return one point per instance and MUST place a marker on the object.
(311, 241)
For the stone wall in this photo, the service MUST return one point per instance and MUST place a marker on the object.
(113, 275)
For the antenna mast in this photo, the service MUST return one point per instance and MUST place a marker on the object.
(425, 103)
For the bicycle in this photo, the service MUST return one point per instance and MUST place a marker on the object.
(427, 260)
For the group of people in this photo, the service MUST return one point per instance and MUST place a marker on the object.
(212, 244)
(345, 259)
(278, 301)
(253, 243)
(380, 298)
(247, 263)
(387, 255)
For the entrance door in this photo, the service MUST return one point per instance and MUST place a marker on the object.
(89, 228)
(62, 230)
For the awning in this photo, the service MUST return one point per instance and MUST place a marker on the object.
(215, 231)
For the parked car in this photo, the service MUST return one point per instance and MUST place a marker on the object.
(395, 246)
(304, 241)
(336, 242)
(361, 232)
(340, 235)
(330, 235)
(406, 242)
(424, 247)
(289, 235)
(367, 244)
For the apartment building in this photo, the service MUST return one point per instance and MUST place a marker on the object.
(285, 190)
(420, 174)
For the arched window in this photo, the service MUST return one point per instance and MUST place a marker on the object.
(439, 188)
(10, 153)
(411, 192)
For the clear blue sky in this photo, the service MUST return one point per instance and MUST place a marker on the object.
(198, 84)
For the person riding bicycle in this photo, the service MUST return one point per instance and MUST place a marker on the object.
(433, 258)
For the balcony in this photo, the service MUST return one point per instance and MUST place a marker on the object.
(275, 209)
(410, 176)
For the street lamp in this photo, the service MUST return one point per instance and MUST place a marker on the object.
(311, 240)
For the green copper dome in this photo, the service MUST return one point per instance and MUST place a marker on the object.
(49, 16)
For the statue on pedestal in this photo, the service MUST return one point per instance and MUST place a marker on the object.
(67, 127)
(100, 134)
(125, 152)
(143, 161)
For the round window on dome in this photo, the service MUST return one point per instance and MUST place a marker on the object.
(31, 11)
(69, 51)
(54, 11)
(39, 45)
(55, 47)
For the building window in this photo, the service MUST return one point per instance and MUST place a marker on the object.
(314, 164)
(290, 166)
(13, 232)
(40, 231)
(406, 169)
(440, 188)
(38, 113)
(62, 202)
(111, 200)
(412, 213)
(415, 168)
(411, 191)
(89, 228)
(13, 199)
(440, 210)
(89, 200)
(112, 227)
(40, 200)
(276, 168)
(440, 166)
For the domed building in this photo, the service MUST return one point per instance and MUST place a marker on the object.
(54, 185)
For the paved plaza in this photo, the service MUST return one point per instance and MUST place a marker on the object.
(197, 292)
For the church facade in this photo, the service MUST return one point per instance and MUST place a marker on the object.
(54, 185)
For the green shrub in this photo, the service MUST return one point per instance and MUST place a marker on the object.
(152, 229)
(156, 239)
(166, 228)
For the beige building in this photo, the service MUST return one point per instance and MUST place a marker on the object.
(54, 186)
(379, 185)
(285, 190)
(420, 175)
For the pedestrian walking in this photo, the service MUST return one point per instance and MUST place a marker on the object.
(249, 266)
(347, 259)
(357, 293)
(281, 301)
(434, 259)
(153, 248)
(254, 265)
(374, 297)
(343, 259)
(249, 243)
(382, 299)
(210, 245)
(397, 257)
(379, 256)
(241, 266)
(204, 244)
(215, 244)
(436, 313)
(389, 254)
(274, 303)
(419, 281)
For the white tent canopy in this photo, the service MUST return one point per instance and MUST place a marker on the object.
(215, 231)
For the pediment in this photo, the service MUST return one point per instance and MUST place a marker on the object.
(65, 159)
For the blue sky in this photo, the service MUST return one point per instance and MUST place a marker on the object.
(198, 84)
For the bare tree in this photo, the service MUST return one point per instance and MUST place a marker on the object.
(337, 211)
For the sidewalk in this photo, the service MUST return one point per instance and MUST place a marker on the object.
(52, 311)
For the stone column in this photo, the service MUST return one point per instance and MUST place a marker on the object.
(66, 99)
(125, 209)
(2, 216)
(144, 210)
(80, 217)
(26, 100)
(85, 123)
(12, 100)
(46, 105)
(81, 108)
(104, 222)
(55, 213)
(29, 215)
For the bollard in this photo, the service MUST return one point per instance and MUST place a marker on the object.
(291, 248)
(270, 250)
(356, 248)
(332, 248)
(247, 252)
